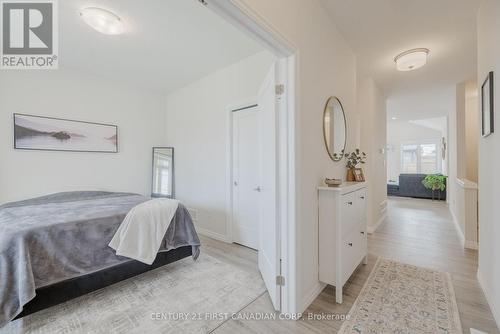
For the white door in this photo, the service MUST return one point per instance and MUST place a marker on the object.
(269, 250)
(246, 177)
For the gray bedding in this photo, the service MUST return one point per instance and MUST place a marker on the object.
(49, 239)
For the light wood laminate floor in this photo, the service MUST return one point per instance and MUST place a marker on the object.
(418, 232)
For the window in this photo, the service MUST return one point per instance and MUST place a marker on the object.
(409, 159)
(428, 159)
(420, 158)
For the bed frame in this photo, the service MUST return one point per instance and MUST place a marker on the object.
(69, 289)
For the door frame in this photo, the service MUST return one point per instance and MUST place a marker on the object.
(250, 22)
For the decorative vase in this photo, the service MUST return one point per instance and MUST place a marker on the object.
(350, 175)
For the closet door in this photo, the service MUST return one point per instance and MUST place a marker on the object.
(246, 177)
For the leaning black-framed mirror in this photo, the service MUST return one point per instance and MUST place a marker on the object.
(334, 128)
(163, 184)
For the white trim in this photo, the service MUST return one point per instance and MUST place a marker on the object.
(487, 295)
(312, 295)
(457, 227)
(212, 234)
(250, 22)
(372, 228)
(466, 184)
(465, 243)
(471, 245)
(288, 232)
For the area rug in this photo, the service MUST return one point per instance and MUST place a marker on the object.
(181, 297)
(401, 298)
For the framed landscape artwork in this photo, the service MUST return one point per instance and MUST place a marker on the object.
(487, 108)
(55, 134)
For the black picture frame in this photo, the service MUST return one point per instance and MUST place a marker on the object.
(487, 106)
(16, 147)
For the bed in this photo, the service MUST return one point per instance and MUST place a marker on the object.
(55, 248)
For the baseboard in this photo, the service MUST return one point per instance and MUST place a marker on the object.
(383, 207)
(372, 228)
(471, 245)
(457, 227)
(465, 243)
(311, 296)
(212, 234)
(493, 307)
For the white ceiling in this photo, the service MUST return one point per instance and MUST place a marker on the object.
(378, 30)
(435, 102)
(438, 123)
(167, 43)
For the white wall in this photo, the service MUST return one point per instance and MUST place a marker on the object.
(467, 132)
(453, 163)
(463, 159)
(472, 130)
(400, 132)
(489, 160)
(326, 66)
(25, 174)
(372, 108)
(197, 126)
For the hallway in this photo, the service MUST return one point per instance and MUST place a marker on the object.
(417, 232)
(422, 233)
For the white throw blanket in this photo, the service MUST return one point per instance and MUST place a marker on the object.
(141, 233)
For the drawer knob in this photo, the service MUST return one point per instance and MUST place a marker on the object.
(350, 244)
(350, 203)
(363, 232)
(362, 197)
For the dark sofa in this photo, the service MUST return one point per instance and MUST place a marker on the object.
(410, 185)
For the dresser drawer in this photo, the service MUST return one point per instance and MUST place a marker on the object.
(353, 210)
(360, 204)
(353, 250)
(348, 213)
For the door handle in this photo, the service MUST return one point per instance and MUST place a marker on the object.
(362, 197)
(257, 189)
(350, 244)
(362, 232)
(350, 203)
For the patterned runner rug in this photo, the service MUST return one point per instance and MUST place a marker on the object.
(401, 298)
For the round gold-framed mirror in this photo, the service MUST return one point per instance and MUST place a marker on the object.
(334, 128)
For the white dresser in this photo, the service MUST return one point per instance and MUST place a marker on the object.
(342, 233)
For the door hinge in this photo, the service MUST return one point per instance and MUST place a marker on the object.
(280, 89)
(280, 280)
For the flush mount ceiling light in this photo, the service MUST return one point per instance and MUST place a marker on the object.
(102, 20)
(411, 60)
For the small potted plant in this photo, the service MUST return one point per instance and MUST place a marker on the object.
(435, 182)
(354, 159)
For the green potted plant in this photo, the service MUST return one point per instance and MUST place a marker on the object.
(435, 182)
(354, 159)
